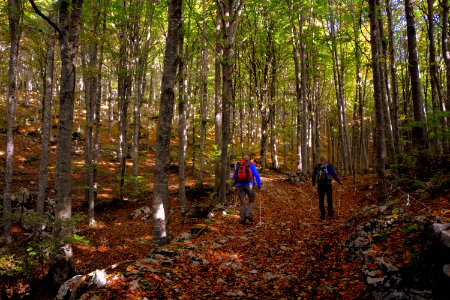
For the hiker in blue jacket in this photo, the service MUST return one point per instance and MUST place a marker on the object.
(324, 172)
(244, 176)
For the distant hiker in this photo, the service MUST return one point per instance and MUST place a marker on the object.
(244, 176)
(324, 171)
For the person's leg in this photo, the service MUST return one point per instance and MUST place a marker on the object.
(321, 191)
(242, 206)
(330, 200)
(251, 195)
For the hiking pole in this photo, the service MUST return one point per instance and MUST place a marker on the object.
(260, 208)
(236, 192)
(339, 200)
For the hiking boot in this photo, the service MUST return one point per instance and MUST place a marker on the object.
(250, 219)
(242, 222)
(322, 217)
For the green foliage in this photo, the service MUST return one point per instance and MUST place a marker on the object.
(408, 228)
(11, 266)
(135, 185)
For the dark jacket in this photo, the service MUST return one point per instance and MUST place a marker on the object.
(330, 172)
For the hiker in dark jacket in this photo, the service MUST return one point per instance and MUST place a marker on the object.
(246, 187)
(324, 172)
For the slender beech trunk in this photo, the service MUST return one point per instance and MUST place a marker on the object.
(90, 76)
(46, 119)
(182, 121)
(394, 81)
(229, 12)
(374, 41)
(385, 87)
(217, 101)
(124, 92)
(339, 86)
(419, 131)
(445, 105)
(161, 235)
(272, 108)
(14, 16)
(297, 47)
(204, 97)
(436, 90)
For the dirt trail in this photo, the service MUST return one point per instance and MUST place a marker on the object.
(288, 253)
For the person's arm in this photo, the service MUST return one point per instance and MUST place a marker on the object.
(333, 174)
(314, 176)
(256, 175)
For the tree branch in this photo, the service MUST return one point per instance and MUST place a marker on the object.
(39, 13)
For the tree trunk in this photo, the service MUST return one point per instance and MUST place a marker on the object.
(229, 11)
(339, 86)
(217, 101)
(436, 91)
(386, 95)
(445, 105)
(204, 98)
(90, 77)
(379, 156)
(161, 189)
(124, 82)
(297, 49)
(182, 121)
(14, 16)
(272, 109)
(419, 130)
(394, 81)
(46, 120)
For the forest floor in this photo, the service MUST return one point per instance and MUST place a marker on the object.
(289, 253)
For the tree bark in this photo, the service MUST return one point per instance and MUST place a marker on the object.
(380, 145)
(160, 226)
(339, 87)
(229, 12)
(91, 77)
(419, 131)
(204, 98)
(217, 101)
(46, 119)
(182, 122)
(14, 16)
(394, 81)
(436, 90)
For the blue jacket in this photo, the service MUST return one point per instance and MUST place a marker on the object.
(330, 172)
(255, 176)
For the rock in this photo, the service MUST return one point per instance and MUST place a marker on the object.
(438, 228)
(361, 242)
(99, 278)
(385, 266)
(445, 238)
(69, 287)
(144, 213)
(375, 280)
(184, 236)
(235, 294)
(446, 269)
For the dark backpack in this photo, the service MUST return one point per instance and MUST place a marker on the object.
(243, 172)
(322, 174)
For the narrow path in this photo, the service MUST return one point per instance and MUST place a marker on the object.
(287, 254)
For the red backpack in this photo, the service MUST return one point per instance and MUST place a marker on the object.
(243, 172)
